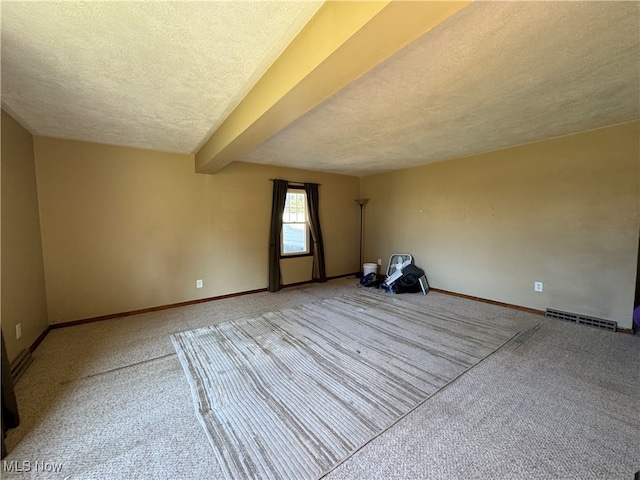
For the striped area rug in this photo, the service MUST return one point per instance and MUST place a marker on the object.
(291, 394)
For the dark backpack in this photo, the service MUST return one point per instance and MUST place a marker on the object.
(408, 282)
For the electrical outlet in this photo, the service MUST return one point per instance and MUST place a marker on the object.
(379, 261)
(18, 330)
(537, 286)
(198, 283)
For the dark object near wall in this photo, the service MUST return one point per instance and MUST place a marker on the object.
(371, 280)
(636, 323)
(408, 282)
(10, 417)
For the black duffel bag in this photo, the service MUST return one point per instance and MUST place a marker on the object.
(408, 282)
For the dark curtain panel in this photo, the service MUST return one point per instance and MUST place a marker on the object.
(316, 232)
(277, 209)
(10, 418)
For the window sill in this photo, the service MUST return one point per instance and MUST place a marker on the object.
(282, 257)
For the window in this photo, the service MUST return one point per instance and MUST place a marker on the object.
(295, 231)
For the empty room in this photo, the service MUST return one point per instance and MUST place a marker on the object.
(305, 239)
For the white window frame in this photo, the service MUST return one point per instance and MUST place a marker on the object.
(305, 222)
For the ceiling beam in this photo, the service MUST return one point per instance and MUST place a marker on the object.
(340, 43)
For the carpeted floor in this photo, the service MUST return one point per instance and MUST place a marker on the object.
(292, 393)
(110, 400)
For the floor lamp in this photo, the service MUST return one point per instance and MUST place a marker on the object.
(362, 202)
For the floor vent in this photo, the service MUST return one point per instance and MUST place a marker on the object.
(20, 364)
(582, 319)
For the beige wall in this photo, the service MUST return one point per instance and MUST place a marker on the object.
(126, 229)
(23, 290)
(561, 211)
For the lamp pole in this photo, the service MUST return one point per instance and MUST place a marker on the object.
(362, 202)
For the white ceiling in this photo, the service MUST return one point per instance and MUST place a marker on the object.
(492, 76)
(157, 75)
(165, 75)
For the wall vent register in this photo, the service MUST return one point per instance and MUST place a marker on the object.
(582, 319)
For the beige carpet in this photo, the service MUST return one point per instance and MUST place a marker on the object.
(110, 400)
(292, 393)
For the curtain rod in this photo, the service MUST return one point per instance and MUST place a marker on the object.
(292, 183)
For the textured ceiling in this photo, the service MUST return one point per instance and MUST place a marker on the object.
(493, 75)
(158, 75)
(165, 75)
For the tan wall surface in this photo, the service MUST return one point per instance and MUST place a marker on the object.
(563, 211)
(23, 289)
(126, 229)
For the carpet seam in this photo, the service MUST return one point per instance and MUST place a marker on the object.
(415, 408)
(124, 367)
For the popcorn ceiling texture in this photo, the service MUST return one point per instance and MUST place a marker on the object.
(165, 75)
(494, 75)
(157, 75)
